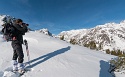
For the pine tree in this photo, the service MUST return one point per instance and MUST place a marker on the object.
(73, 41)
(113, 52)
(86, 45)
(108, 51)
(92, 45)
(62, 37)
(119, 53)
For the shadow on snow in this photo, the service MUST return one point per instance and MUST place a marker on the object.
(104, 66)
(48, 56)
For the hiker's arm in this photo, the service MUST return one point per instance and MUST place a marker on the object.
(22, 29)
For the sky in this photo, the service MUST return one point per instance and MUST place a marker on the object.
(63, 15)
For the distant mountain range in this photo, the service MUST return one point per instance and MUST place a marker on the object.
(102, 37)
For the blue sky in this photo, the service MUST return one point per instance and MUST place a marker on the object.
(63, 15)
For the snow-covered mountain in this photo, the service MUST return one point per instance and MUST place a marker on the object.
(45, 31)
(108, 36)
(102, 37)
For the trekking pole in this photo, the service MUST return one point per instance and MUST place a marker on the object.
(27, 50)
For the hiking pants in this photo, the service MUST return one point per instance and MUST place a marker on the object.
(17, 51)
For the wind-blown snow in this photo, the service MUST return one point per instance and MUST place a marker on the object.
(51, 57)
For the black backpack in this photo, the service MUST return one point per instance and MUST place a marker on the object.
(8, 31)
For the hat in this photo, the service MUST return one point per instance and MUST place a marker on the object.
(19, 20)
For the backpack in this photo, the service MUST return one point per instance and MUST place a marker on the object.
(8, 31)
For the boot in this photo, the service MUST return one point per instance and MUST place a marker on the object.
(21, 68)
(15, 63)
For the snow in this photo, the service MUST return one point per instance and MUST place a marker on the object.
(114, 34)
(51, 57)
(1, 22)
(120, 74)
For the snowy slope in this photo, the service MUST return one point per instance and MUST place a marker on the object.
(51, 57)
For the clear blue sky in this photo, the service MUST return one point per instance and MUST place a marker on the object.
(62, 15)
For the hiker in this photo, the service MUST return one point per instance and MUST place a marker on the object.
(17, 41)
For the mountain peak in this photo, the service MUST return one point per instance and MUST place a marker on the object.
(45, 31)
(122, 22)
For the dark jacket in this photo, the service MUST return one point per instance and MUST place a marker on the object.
(20, 31)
